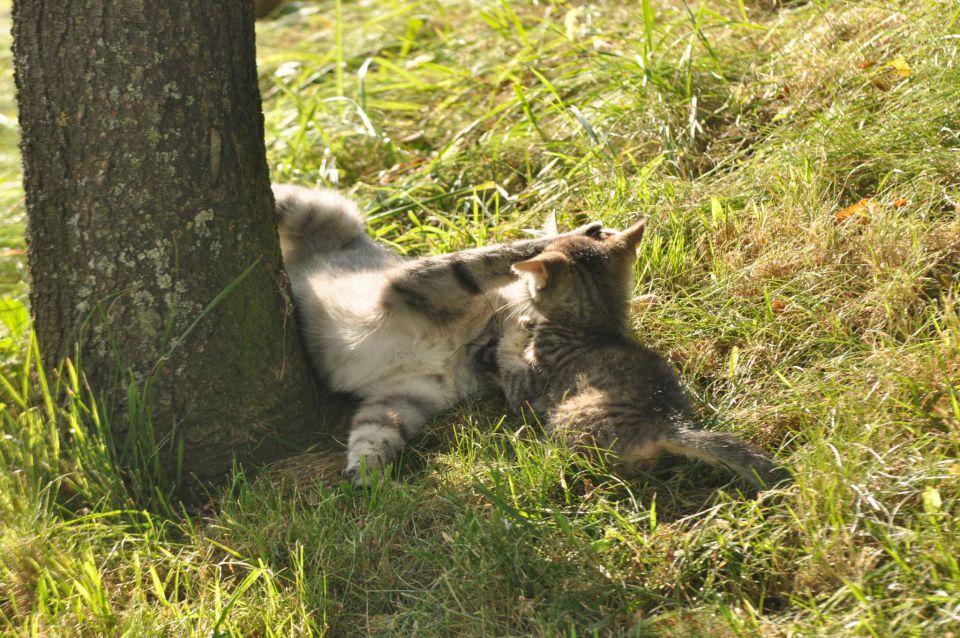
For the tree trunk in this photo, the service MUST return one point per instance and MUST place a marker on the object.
(148, 196)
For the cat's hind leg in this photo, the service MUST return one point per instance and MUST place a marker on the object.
(381, 428)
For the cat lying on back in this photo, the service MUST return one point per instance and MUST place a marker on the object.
(576, 364)
(401, 335)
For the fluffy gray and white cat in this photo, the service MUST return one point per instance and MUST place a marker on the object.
(575, 362)
(400, 334)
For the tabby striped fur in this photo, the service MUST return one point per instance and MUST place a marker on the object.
(402, 335)
(575, 362)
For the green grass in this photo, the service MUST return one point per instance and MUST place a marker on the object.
(741, 129)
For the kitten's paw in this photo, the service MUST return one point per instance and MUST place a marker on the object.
(364, 471)
(314, 221)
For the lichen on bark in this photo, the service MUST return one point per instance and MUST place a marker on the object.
(147, 196)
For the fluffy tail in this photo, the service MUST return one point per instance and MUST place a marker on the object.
(312, 222)
(720, 448)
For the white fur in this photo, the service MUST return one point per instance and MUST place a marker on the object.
(373, 447)
(362, 346)
(369, 353)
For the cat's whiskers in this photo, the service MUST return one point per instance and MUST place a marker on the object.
(516, 309)
(389, 330)
(580, 368)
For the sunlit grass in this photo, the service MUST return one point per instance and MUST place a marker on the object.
(741, 130)
(12, 251)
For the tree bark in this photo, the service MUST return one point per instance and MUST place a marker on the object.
(148, 196)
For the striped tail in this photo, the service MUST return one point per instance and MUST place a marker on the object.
(720, 448)
(312, 222)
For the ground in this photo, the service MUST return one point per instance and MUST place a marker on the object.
(800, 166)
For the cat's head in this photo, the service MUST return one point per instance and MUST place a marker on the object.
(583, 278)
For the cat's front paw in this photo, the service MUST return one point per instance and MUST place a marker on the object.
(363, 475)
(364, 471)
(370, 452)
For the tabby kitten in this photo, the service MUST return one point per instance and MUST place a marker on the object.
(399, 334)
(576, 364)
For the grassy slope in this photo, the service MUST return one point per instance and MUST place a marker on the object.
(838, 343)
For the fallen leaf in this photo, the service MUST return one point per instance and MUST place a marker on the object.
(649, 299)
(860, 208)
(732, 363)
(931, 500)
(588, 488)
(900, 203)
(886, 76)
(900, 66)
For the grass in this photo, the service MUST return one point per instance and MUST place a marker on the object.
(800, 163)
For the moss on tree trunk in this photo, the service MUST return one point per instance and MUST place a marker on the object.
(147, 196)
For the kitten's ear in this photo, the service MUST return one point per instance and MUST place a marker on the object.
(632, 236)
(536, 270)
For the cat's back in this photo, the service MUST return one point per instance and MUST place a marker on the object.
(629, 364)
(623, 371)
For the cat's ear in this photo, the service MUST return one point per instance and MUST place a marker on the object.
(632, 236)
(538, 269)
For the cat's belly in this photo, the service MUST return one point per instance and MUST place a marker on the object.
(392, 362)
(364, 352)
